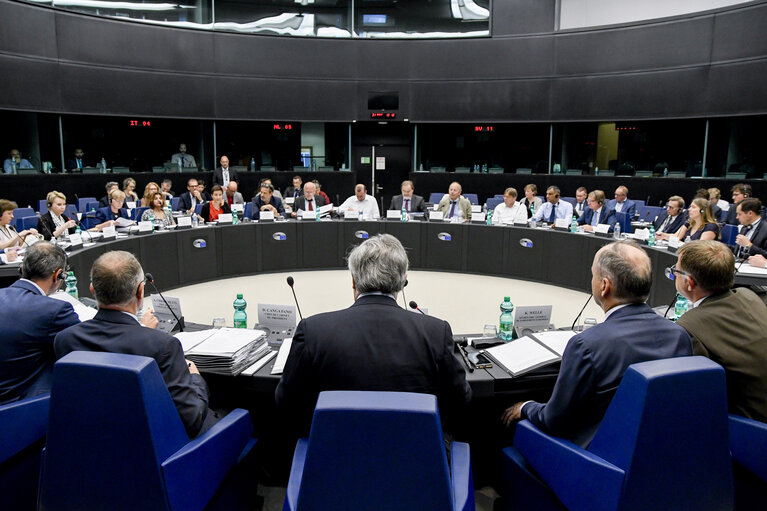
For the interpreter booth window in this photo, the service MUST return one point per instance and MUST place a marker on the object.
(421, 19)
(736, 147)
(190, 14)
(483, 147)
(315, 18)
(35, 136)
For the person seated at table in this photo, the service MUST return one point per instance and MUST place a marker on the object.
(671, 220)
(715, 196)
(621, 203)
(276, 191)
(554, 208)
(157, 210)
(55, 223)
(740, 192)
(166, 189)
(266, 201)
(597, 213)
(320, 193)
(581, 201)
(294, 190)
(106, 216)
(360, 202)
(531, 201)
(201, 188)
(701, 224)
(182, 159)
(752, 239)
(104, 201)
(454, 205)
(189, 200)
(149, 190)
(77, 163)
(129, 187)
(9, 237)
(215, 206)
(716, 210)
(509, 211)
(232, 195)
(412, 202)
(309, 201)
(16, 160)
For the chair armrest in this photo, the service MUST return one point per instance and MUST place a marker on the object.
(570, 472)
(22, 423)
(748, 444)
(296, 474)
(193, 474)
(462, 480)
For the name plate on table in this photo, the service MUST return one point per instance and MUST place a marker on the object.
(145, 227)
(642, 235)
(478, 218)
(673, 243)
(308, 215)
(476, 208)
(532, 318)
(280, 319)
(130, 205)
(435, 216)
(266, 216)
(393, 214)
(109, 233)
(184, 222)
(75, 241)
(351, 215)
(290, 200)
(237, 208)
(225, 219)
(602, 230)
(562, 224)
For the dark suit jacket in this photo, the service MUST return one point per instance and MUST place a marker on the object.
(104, 202)
(593, 365)
(673, 227)
(607, 217)
(373, 345)
(275, 201)
(731, 217)
(116, 332)
(185, 201)
(72, 165)
(45, 225)
(729, 328)
(301, 202)
(205, 211)
(759, 239)
(218, 176)
(629, 206)
(417, 203)
(28, 324)
(104, 214)
(290, 190)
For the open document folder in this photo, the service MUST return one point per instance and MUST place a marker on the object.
(224, 351)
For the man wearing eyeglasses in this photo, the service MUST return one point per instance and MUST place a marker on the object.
(727, 325)
(671, 220)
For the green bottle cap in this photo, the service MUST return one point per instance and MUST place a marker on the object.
(506, 298)
(239, 296)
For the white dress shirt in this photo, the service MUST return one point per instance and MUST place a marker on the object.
(564, 211)
(225, 176)
(368, 206)
(509, 215)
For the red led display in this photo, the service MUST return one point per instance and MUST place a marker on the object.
(282, 127)
(484, 129)
(383, 115)
(140, 124)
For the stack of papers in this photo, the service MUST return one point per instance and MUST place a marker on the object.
(226, 351)
(530, 352)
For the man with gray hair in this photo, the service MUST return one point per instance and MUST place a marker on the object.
(117, 282)
(30, 321)
(594, 360)
(110, 186)
(390, 349)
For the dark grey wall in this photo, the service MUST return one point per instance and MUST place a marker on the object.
(695, 66)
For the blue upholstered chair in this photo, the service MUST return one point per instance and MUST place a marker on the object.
(82, 203)
(648, 213)
(198, 208)
(728, 234)
(378, 451)
(625, 222)
(472, 198)
(22, 432)
(493, 202)
(435, 197)
(116, 441)
(748, 446)
(174, 203)
(662, 445)
(25, 222)
(136, 213)
(247, 212)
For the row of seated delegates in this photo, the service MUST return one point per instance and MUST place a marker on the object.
(308, 201)
(408, 199)
(740, 192)
(15, 160)
(701, 222)
(266, 200)
(510, 211)
(531, 201)
(554, 208)
(55, 223)
(9, 237)
(454, 206)
(360, 202)
(107, 217)
(215, 206)
(194, 195)
(157, 211)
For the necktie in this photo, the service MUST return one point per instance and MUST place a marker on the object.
(665, 224)
(79, 163)
(553, 217)
(595, 218)
(452, 209)
(407, 205)
(182, 161)
(310, 201)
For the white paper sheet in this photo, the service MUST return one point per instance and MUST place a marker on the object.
(521, 355)
(250, 371)
(191, 339)
(83, 311)
(555, 339)
(282, 356)
(227, 341)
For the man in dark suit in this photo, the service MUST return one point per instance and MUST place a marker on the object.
(391, 350)
(29, 322)
(597, 213)
(671, 220)
(413, 203)
(621, 203)
(752, 239)
(77, 163)
(309, 201)
(266, 201)
(189, 199)
(581, 202)
(104, 201)
(294, 191)
(594, 360)
(223, 174)
(117, 282)
(740, 192)
(726, 325)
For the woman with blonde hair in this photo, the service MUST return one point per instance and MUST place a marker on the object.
(129, 187)
(55, 223)
(701, 224)
(149, 190)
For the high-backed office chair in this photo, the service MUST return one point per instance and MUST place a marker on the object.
(493, 202)
(748, 446)
(25, 222)
(625, 222)
(174, 202)
(435, 197)
(472, 198)
(247, 212)
(71, 211)
(42, 206)
(22, 432)
(524, 171)
(378, 451)
(83, 201)
(136, 213)
(198, 208)
(728, 234)
(661, 445)
(116, 441)
(639, 203)
(648, 213)
(22, 212)
(571, 200)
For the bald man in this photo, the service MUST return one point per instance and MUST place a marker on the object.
(361, 201)
(454, 206)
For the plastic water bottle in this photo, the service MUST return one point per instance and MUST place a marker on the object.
(617, 231)
(13, 167)
(596, 170)
(71, 282)
(360, 216)
(651, 237)
(484, 168)
(506, 326)
(665, 172)
(574, 225)
(532, 208)
(403, 213)
(240, 316)
(680, 306)
(195, 221)
(235, 218)
(151, 218)
(78, 230)
(314, 165)
(103, 165)
(252, 164)
(489, 217)
(317, 214)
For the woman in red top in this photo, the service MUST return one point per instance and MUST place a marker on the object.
(216, 206)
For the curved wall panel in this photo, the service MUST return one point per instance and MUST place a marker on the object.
(693, 66)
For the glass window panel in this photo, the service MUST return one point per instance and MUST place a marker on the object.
(421, 18)
(322, 18)
(735, 146)
(191, 13)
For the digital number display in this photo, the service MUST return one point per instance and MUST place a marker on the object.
(383, 115)
(484, 129)
(282, 127)
(134, 123)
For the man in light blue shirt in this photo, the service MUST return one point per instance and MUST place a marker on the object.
(554, 208)
(15, 162)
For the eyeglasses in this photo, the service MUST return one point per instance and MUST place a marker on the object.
(672, 270)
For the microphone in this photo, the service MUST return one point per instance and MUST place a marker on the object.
(290, 283)
(148, 277)
(579, 314)
(414, 305)
(403, 293)
(673, 301)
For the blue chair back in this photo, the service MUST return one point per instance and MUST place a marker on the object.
(648, 213)
(625, 222)
(136, 213)
(382, 450)
(571, 200)
(639, 204)
(198, 208)
(23, 212)
(492, 203)
(25, 222)
(82, 203)
(42, 206)
(71, 211)
(666, 427)
(435, 197)
(729, 233)
(112, 424)
(174, 202)
(248, 211)
(89, 206)
(472, 198)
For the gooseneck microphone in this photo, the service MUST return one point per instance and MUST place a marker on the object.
(290, 283)
(148, 277)
(581, 312)
(414, 305)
